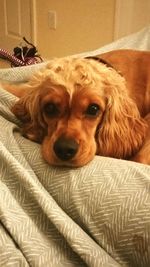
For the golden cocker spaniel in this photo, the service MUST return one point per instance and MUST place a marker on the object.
(79, 107)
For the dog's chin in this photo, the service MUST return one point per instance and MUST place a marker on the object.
(71, 164)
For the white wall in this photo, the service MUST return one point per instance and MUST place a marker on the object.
(82, 25)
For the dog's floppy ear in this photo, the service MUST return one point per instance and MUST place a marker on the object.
(122, 131)
(27, 109)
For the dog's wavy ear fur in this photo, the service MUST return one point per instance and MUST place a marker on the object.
(27, 110)
(122, 130)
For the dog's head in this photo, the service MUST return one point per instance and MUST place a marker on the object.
(77, 108)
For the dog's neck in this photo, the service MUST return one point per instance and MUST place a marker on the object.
(100, 60)
(103, 61)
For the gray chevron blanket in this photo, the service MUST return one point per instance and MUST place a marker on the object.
(97, 215)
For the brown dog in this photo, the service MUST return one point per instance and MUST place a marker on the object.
(77, 108)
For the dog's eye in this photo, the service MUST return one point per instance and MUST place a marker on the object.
(93, 110)
(51, 110)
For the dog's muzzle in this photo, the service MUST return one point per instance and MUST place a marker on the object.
(65, 148)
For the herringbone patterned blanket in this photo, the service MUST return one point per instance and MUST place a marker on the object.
(97, 216)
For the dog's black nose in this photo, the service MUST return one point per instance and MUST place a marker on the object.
(65, 148)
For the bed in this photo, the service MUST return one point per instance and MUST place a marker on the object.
(97, 215)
